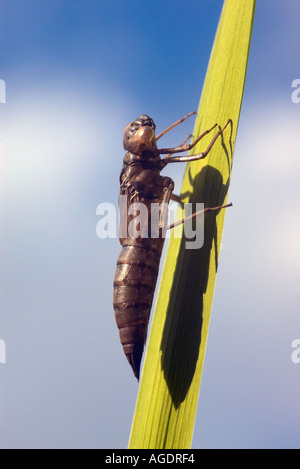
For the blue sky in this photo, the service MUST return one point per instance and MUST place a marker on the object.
(76, 73)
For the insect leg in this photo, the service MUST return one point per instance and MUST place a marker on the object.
(184, 141)
(174, 125)
(188, 147)
(205, 210)
(169, 186)
(176, 198)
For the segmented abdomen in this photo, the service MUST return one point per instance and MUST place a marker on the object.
(134, 285)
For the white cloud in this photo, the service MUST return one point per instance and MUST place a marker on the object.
(53, 137)
(269, 138)
(266, 180)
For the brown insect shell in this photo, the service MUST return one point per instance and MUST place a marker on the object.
(140, 140)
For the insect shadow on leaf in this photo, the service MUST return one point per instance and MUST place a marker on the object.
(182, 332)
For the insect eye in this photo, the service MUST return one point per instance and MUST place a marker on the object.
(134, 127)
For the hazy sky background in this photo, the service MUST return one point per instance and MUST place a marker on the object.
(76, 73)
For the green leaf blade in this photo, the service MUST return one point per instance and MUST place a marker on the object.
(170, 383)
